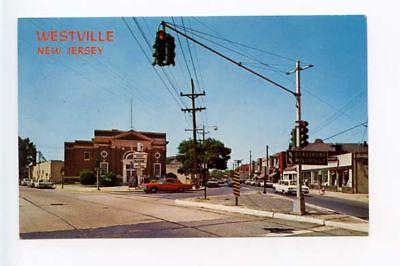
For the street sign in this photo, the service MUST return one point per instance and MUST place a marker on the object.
(307, 157)
(236, 185)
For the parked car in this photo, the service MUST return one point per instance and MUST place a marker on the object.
(212, 183)
(24, 181)
(289, 187)
(269, 184)
(168, 184)
(44, 184)
(30, 183)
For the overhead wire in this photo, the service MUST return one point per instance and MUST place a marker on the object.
(346, 130)
(162, 69)
(149, 61)
(194, 71)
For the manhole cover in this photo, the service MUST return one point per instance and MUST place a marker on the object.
(56, 204)
(278, 230)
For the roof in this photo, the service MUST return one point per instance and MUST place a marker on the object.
(337, 148)
(115, 132)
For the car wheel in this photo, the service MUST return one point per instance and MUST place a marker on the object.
(180, 190)
(153, 190)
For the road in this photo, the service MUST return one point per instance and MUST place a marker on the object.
(63, 214)
(345, 206)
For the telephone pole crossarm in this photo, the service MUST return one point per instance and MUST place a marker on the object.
(199, 109)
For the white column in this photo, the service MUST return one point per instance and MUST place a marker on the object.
(124, 181)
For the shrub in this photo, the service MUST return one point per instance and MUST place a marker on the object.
(108, 180)
(87, 177)
(171, 175)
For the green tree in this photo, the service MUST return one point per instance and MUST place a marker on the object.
(218, 174)
(212, 152)
(26, 154)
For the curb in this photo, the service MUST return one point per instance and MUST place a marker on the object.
(277, 215)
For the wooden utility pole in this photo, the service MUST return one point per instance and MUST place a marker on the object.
(193, 110)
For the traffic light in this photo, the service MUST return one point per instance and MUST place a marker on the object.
(159, 48)
(170, 50)
(293, 141)
(303, 133)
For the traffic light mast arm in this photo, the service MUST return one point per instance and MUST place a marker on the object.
(165, 24)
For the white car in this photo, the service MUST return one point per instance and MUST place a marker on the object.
(24, 182)
(44, 184)
(289, 187)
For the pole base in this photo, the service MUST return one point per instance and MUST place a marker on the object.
(299, 206)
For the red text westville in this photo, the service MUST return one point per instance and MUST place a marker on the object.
(74, 36)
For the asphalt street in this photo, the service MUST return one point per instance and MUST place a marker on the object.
(345, 206)
(68, 214)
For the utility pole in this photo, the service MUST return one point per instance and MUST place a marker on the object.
(205, 170)
(193, 110)
(298, 204)
(131, 128)
(266, 170)
(250, 166)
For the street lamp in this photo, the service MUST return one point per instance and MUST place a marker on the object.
(205, 167)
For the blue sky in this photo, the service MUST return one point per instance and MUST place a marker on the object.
(63, 97)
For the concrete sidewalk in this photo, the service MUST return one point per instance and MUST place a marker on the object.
(92, 188)
(275, 206)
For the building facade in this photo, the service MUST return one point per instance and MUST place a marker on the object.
(133, 156)
(49, 171)
(346, 171)
(172, 167)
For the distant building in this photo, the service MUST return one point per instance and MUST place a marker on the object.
(243, 171)
(172, 167)
(347, 168)
(133, 155)
(49, 171)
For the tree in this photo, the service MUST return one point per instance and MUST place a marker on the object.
(26, 154)
(212, 152)
(218, 174)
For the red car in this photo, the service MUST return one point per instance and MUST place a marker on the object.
(169, 184)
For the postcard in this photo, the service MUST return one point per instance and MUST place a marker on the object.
(193, 127)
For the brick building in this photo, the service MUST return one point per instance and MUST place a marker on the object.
(132, 155)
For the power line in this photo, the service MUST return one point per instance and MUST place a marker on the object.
(149, 61)
(337, 114)
(234, 51)
(162, 69)
(346, 130)
(183, 54)
(242, 44)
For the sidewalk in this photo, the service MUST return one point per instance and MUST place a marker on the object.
(93, 188)
(348, 196)
(275, 206)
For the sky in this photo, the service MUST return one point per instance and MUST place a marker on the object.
(66, 97)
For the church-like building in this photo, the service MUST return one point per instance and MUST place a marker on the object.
(133, 155)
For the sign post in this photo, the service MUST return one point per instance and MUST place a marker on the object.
(236, 187)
